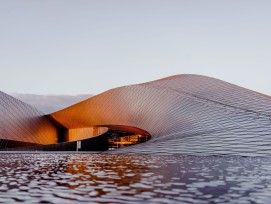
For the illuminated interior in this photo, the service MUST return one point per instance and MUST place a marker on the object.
(119, 139)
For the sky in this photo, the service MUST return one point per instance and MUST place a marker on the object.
(71, 47)
(50, 103)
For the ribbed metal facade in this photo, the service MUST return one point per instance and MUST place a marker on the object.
(22, 124)
(188, 114)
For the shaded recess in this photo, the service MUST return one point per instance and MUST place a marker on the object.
(123, 136)
(101, 139)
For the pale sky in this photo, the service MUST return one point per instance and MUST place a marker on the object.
(90, 46)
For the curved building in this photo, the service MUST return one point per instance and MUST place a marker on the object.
(23, 125)
(188, 114)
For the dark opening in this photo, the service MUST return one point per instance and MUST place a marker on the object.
(119, 139)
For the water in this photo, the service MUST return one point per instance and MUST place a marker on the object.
(106, 178)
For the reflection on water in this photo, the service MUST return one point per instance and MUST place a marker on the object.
(103, 178)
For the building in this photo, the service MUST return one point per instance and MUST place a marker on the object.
(188, 114)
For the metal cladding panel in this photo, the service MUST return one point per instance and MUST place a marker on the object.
(188, 114)
(85, 133)
(22, 122)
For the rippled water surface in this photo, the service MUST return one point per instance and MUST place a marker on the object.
(103, 178)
